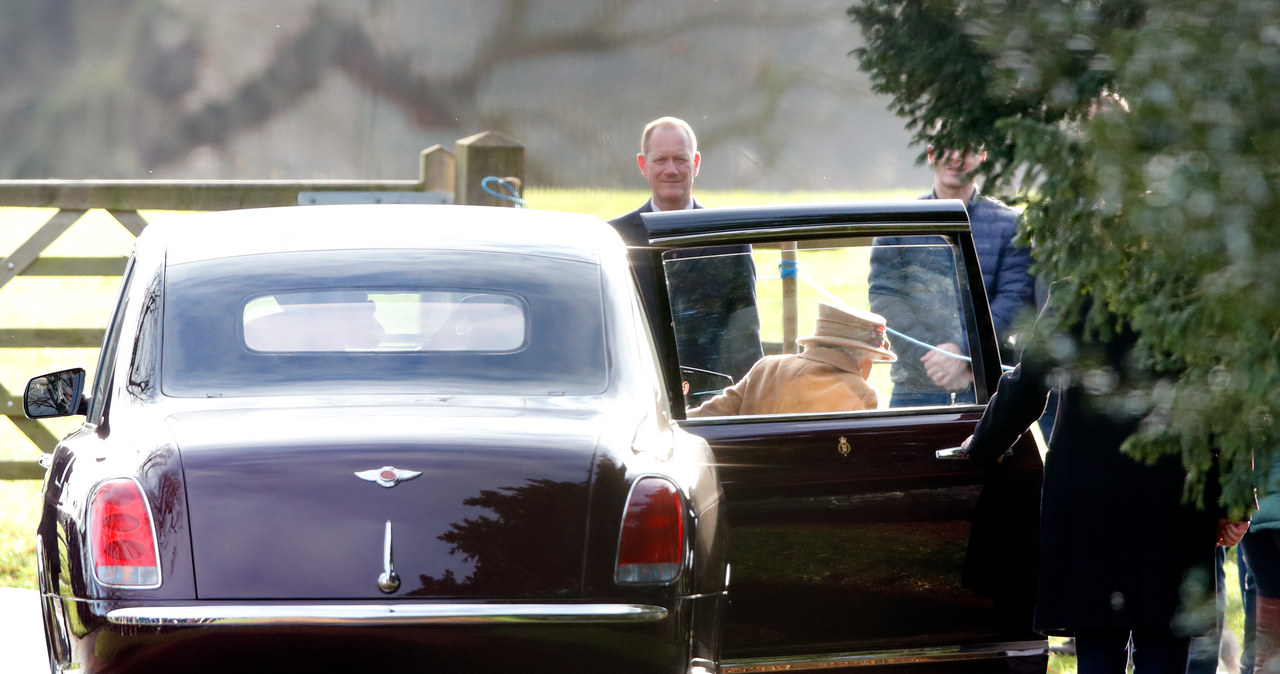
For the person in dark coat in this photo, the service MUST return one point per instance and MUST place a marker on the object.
(712, 290)
(1121, 555)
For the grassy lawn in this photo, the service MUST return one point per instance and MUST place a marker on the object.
(19, 501)
(608, 204)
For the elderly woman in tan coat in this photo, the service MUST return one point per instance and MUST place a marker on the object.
(829, 376)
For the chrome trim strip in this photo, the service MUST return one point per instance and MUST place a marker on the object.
(383, 614)
(841, 226)
(389, 580)
(881, 414)
(802, 663)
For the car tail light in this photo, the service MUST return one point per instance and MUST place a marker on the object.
(651, 545)
(122, 536)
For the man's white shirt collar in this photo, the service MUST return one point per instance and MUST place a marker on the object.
(687, 207)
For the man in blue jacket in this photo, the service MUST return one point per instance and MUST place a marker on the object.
(913, 287)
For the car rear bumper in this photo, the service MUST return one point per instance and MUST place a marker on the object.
(384, 614)
(108, 637)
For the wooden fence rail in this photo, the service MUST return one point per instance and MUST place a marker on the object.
(444, 177)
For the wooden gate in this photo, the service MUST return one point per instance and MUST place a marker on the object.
(445, 176)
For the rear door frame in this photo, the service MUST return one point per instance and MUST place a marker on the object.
(763, 460)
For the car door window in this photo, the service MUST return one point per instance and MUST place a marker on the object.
(735, 308)
(105, 369)
(852, 533)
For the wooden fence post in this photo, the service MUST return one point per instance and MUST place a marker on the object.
(482, 155)
(437, 169)
(790, 311)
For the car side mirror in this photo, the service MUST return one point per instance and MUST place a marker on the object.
(57, 394)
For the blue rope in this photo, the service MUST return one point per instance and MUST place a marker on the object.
(514, 195)
(789, 268)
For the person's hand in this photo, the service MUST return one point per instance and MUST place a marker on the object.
(952, 374)
(1230, 533)
(969, 441)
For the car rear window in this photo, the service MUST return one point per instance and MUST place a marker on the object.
(438, 322)
(402, 319)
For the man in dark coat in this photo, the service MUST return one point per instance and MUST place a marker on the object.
(1121, 555)
(712, 290)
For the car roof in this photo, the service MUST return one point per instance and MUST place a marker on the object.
(208, 236)
(881, 216)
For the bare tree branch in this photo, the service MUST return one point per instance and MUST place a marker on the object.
(299, 65)
(295, 70)
(131, 97)
(606, 30)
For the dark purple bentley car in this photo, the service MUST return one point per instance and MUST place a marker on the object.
(454, 439)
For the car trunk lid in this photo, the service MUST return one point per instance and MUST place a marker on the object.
(481, 501)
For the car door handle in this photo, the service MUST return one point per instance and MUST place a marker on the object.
(958, 453)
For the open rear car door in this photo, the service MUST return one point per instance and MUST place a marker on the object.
(857, 538)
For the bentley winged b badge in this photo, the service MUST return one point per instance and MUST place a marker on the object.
(388, 476)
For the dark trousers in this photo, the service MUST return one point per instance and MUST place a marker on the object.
(1154, 652)
(1262, 550)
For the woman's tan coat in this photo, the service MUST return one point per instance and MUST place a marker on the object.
(819, 380)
